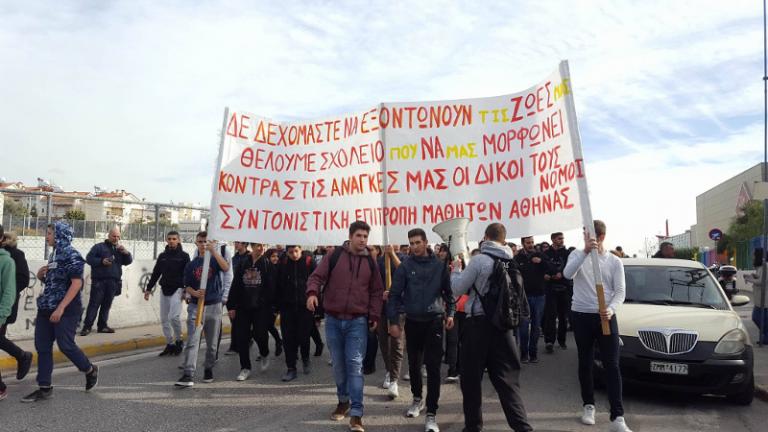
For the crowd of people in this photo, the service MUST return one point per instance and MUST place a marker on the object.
(413, 301)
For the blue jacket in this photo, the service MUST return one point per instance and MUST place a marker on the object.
(64, 264)
(213, 289)
(103, 250)
(421, 287)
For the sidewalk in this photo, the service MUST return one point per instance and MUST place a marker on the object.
(99, 344)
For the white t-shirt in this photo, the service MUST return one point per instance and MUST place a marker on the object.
(580, 269)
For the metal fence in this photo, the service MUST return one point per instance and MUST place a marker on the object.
(143, 227)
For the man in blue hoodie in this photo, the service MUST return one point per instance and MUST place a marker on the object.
(58, 310)
(212, 296)
(421, 288)
(106, 260)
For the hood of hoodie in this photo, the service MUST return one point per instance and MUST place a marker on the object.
(10, 240)
(497, 249)
(63, 234)
(346, 245)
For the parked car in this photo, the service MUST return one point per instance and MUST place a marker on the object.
(679, 331)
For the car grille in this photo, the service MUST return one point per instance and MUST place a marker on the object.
(668, 341)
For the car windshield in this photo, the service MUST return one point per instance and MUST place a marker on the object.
(679, 286)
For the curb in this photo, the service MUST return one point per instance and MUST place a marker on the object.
(140, 343)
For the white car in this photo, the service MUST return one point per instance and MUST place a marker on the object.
(679, 332)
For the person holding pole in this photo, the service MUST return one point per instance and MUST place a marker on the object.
(205, 308)
(594, 307)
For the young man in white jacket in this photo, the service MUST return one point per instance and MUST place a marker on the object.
(587, 323)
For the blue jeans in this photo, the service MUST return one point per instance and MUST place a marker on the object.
(347, 340)
(758, 313)
(529, 339)
(64, 334)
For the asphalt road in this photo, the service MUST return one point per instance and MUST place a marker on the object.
(136, 393)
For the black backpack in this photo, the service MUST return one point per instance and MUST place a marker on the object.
(505, 303)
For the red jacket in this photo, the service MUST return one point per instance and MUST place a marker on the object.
(352, 290)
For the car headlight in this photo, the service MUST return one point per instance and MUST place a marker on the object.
(733, 342)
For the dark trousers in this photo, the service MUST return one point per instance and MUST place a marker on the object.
(452, 342)
(102, 294)
(425, 345)
(233, 336)
(484, 346)
(371, 349)
(252, 323)
(556, 310)
(272, 329)
(11, 348)
(296, 324)
(587, 330)
(63, 333)
(315, 333)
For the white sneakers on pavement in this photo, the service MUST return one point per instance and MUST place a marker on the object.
(431, 424)
(588, 418)
(416, 408)
(386, 383)
(243, 375)
(619, 425)
(393, 392)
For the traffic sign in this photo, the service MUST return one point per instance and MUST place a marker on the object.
(715, 234)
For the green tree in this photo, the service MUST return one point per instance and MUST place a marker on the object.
(749, 223)
(14, 208)
(685, 253)
(74, 214)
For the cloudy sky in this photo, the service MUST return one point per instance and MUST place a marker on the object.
(129, 95)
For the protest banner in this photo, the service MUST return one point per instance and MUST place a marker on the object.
(514, 159)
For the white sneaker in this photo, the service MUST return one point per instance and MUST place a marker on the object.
(588, 418)
(386, 383)
(619, 425)
(264, 363)
(243, 375)
(393, 392)
(407, 377)
(416, 408)
(431, 424)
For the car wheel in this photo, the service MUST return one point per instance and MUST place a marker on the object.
(745, 396)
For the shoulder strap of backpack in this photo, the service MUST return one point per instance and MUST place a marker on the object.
(334, 259)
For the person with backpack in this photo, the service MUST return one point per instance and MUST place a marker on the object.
(169, 270)
(296, 321)
(494, 308)
(587, 324)
(421, 287)
(353, 296)
(7, 295)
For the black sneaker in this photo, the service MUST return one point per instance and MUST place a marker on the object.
(319, 349)
(307, 366)
(524, 358)
(563, 346)
(185, 381)
(533, 359)
(170, 349)
(208, 376)
(178, 348)
(92, 378)
(278, 348)
(85, 332)
(24, 365)
(106, 330)
(38, 395)
(550, 348)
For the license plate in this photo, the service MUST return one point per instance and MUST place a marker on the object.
(669, 368)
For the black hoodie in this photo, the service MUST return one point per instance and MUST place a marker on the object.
(169, 268)
(292, 279)
(253, 285)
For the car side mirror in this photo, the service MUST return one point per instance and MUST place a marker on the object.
(739, 300)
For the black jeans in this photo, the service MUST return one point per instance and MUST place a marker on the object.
(484, 346)
(296, 323)
(424, 344)
(588, 331)
(556, 309)
(272, 329)
(102, 294)
(252, 323)
(315, 333)
(11, 348)
(371, 349)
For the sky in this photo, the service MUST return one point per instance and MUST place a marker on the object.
(130, 95)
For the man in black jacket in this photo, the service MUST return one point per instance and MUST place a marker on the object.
(296, 321)
(421, 287)
(558, 293)
(250, 306)
(169, 270)
(23, 358)
(533, 269)
(106, 260)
